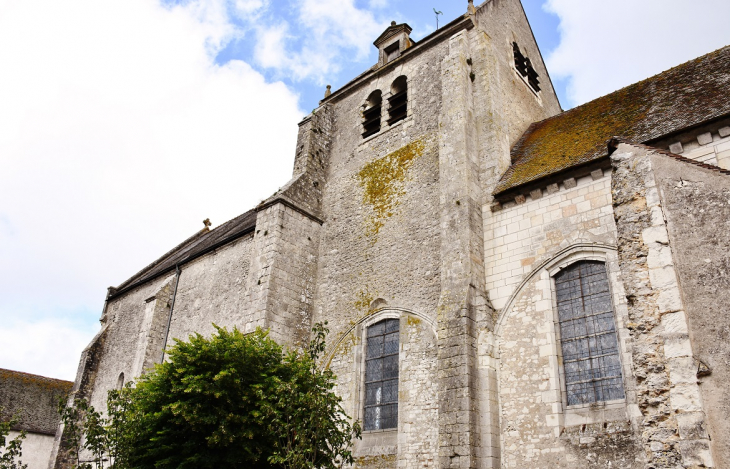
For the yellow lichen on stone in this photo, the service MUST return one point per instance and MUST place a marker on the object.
(364, 298)
(413, 320)
(383, 182)
(385, 461)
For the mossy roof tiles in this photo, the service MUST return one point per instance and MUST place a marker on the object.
(33, 398)
(685, 96)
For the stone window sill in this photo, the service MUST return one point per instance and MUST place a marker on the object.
(385, 129)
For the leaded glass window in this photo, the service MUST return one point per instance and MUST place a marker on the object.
(588, 334)
(381, 376)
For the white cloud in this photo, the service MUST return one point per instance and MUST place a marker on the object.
(120, 134)
(325, 31)
(608, 45)
(49, 347)
(250, 9)
(378, 3)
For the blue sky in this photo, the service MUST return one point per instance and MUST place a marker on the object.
(128, 122)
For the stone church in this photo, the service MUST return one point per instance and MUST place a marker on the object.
(507, 285)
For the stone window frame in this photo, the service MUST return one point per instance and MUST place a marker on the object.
(600, 412)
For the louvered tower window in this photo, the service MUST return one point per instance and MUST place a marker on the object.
(381, 376)
(398, 101)
(520, 64)
(588, 334)
(371, 114)
(525, 68)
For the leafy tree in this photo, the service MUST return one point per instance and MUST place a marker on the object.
(10, 450)
(84, 429)
(234, 400)
(306, 416)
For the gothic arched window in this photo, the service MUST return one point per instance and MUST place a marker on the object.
(371, 114)
(120, 381)
(398, 101)
(381, 375)
(588, 334)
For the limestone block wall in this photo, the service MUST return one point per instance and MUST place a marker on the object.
(709, 144)
(284, 263)
(519, 237)
(694, 199)
(526, 244)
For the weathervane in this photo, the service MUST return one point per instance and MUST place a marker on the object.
(437, 17)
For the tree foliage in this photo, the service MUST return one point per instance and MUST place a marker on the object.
(232, 400)
(10, 450)
(84, 429)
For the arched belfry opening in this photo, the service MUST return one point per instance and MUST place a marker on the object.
(371, 114)
(398, 101)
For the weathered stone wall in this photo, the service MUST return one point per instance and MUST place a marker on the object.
(673, 419)
(117, 350)
(284, 261)
(414, 444)
(286, 242)
(212, 289)
(380, 201)
(696, 203)
(526, 244)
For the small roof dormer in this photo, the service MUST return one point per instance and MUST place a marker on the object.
(393, 42)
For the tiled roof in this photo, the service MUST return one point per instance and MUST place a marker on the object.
(687, 95)
(193, 247)
(33, 398)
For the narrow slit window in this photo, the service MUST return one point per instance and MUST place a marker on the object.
(398, 101)
(588, 334)
(381, 375)
(371, 114)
